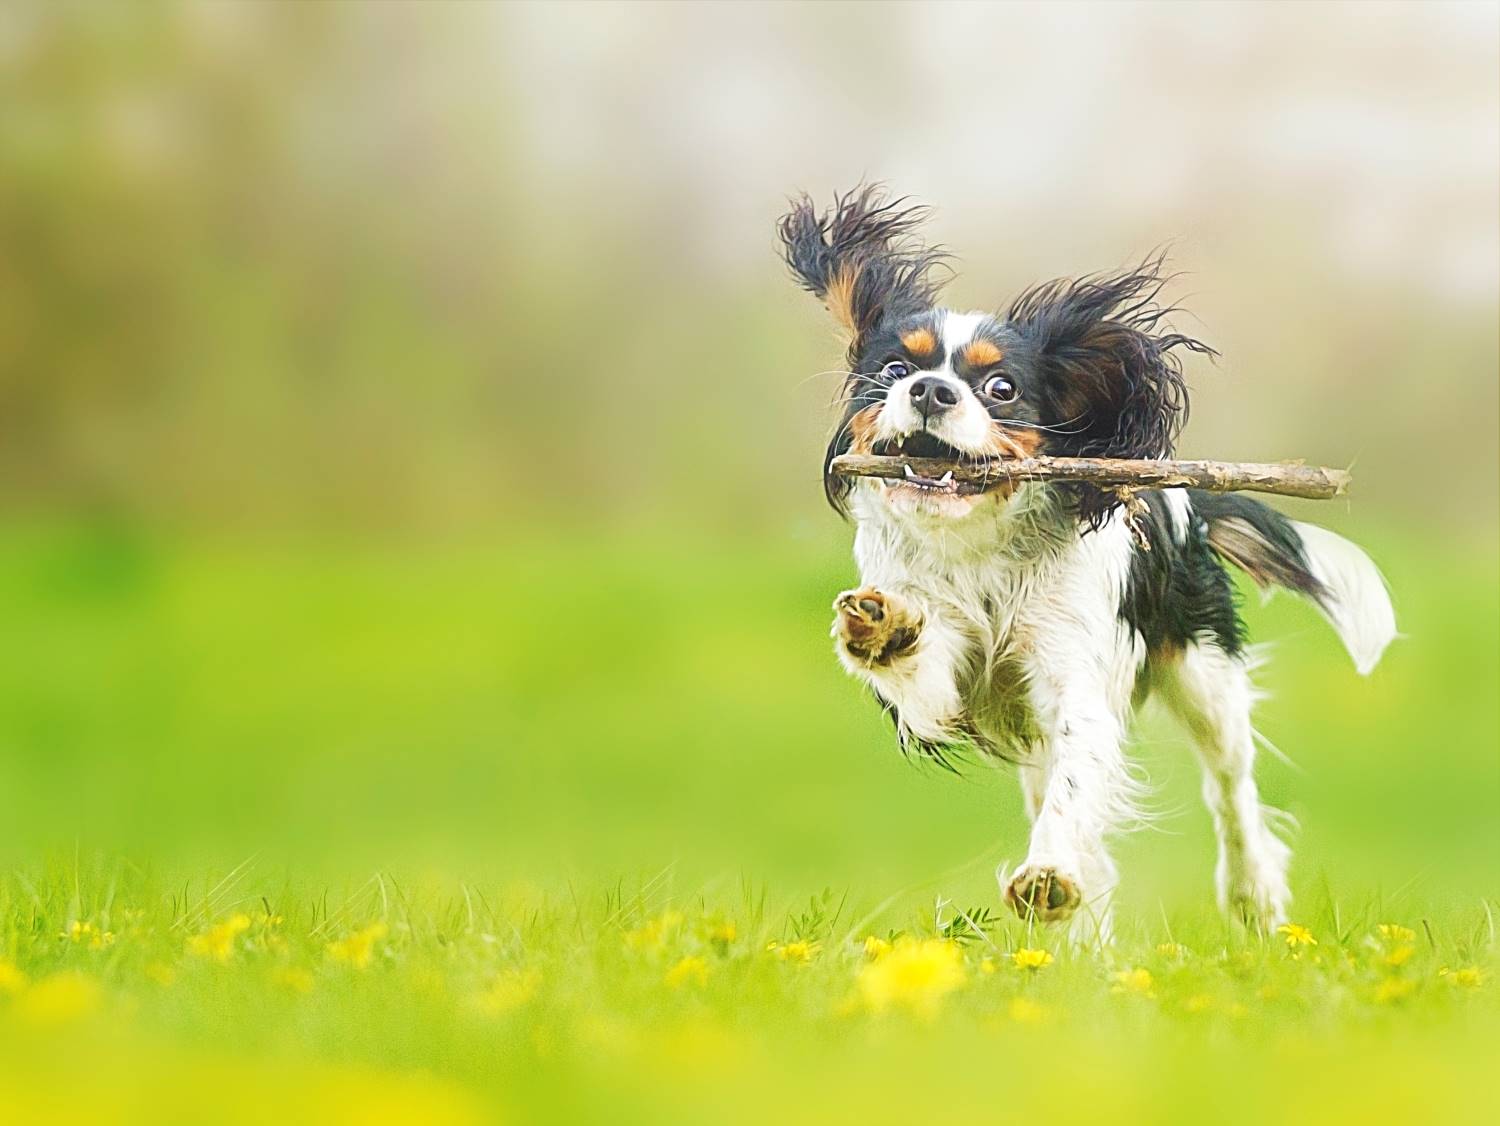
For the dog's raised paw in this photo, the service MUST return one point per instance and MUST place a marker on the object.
(1044, 894)
(874, 626)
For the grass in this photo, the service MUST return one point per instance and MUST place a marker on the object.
(468, 1003)
(544, 831)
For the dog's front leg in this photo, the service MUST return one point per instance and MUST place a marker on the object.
(910, 656)
(1077, 791)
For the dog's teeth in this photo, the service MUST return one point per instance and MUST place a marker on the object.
(946, 479)
(908, 472)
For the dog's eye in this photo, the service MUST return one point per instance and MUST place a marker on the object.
(897, 369)
(1001, 389)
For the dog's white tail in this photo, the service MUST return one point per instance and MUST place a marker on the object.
(1354, 598)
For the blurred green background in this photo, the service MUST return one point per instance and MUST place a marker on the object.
(409, 440)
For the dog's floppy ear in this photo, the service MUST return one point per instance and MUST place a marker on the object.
(861, 257)
(1110, 375)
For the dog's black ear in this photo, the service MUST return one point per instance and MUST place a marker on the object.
(861, 258)
(1113, 384)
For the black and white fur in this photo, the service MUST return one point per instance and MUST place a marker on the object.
(1031, 622)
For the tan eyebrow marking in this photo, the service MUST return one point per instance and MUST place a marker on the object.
(919, 342)
(981, 353)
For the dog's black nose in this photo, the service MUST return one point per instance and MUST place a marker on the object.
(931, 395)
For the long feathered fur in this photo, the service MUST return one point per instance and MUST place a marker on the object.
(862, 257)
(1113, 367)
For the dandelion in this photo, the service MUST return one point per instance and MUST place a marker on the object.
(12, 980)
(86, 934)
(1396, 934)
(1175, 951)
(1032, 960)
(1398, 955)
(916, 974)
(217, 943)
(1136, 981)
(653, 934)
(1467, 977)
(722, 934)
(1296, 935)
(1393, 989)
(358, 947)
(1023, 1010)
(875, 947)
(1198, 1003)
(1398, 942)
(509, 991)
(987, 966)
(800, 951)
(691, 970)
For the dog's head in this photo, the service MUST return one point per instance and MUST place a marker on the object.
(1072, 368)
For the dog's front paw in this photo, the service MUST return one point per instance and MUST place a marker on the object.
(1043, 893)
(874, 626)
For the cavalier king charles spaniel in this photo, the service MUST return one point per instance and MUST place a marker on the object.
(1029, 621)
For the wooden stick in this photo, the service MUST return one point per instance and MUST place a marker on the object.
(1288, 478)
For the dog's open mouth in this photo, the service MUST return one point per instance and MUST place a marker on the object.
(925, 445)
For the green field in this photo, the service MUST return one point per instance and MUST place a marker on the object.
(595, 829)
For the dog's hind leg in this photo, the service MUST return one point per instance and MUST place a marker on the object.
(1211, 692)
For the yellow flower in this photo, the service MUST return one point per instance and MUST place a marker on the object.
(12, 980)
(651, 935)
(987, 966)
(86, 932)
(217, 942)
(1394, 933)
(1171, 950)
(293, 978)
(876, 947)
(1198, 1003)
(1469, 977)
(59, 999)
(161, 973)
(691, 970)
(358, 947)
(510, 990)
(1398, 955)
(1296, 935)
(1031, 959)
(1393, 989)
(1137, 981)
(1023, 1010)
(723, 933)
(800, 951)
(916, 974)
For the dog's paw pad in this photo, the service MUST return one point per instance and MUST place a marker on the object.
(873, 625)
(1043, 893)
(861, 614)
